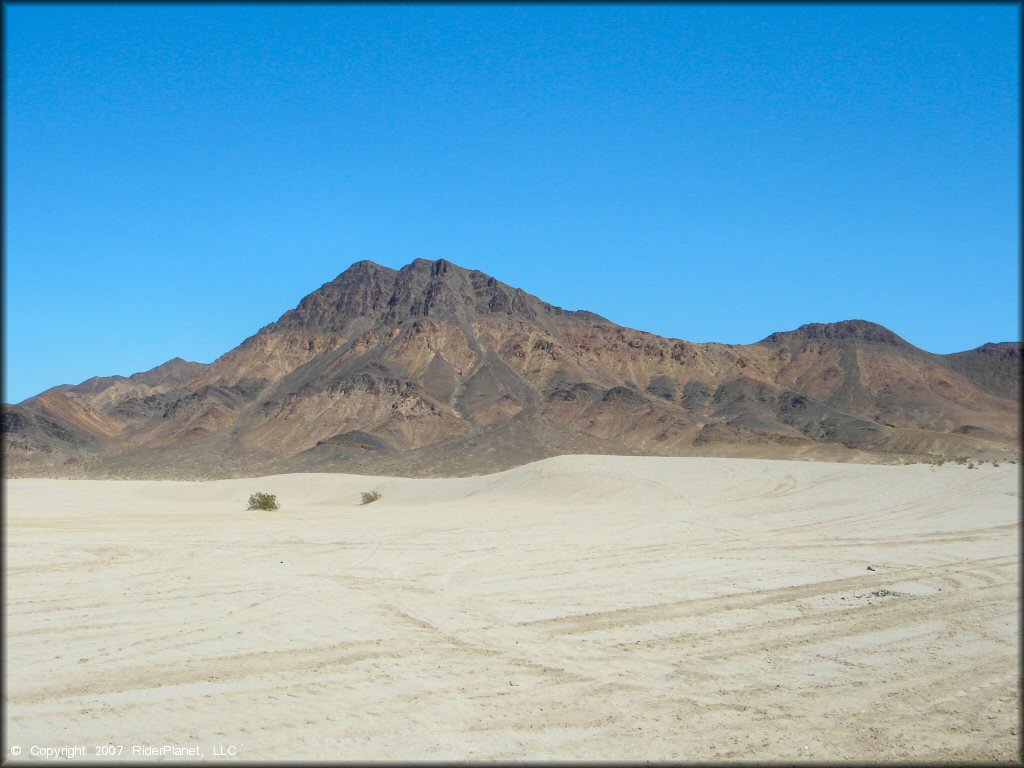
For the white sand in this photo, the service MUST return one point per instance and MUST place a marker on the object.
(577, 608)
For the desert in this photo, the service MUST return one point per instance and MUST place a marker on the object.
(579, 607)
(512, 383)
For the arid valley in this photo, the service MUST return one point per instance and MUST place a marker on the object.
(579, 607)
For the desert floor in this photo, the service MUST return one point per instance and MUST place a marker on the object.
(577, 608)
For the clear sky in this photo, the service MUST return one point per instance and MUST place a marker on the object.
(178, 176)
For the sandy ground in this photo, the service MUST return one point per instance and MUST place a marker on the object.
(577, 608)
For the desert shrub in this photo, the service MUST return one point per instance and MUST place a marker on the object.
(266, 501)
(971, 465)
(370, 496)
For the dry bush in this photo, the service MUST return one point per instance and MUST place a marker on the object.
(266, 501)
(370, 496)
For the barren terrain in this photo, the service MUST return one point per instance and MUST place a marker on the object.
(581, 607)
(434, 370)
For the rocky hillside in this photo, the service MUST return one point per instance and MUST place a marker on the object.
(438, 370)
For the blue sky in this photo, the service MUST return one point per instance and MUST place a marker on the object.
(179, 176)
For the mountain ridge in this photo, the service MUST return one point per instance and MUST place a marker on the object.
(438, 369)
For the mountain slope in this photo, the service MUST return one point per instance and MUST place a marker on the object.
(435, 369)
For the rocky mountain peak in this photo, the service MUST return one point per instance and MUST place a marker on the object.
(860, 330)
(423, 288)
(174, 371)
(443, 289)
(361, 291)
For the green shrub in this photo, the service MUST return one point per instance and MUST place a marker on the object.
(263, 501)
(370, 496)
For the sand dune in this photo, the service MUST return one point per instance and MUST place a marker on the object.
(581, 607)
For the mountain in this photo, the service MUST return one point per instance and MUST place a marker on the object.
(434, 369)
